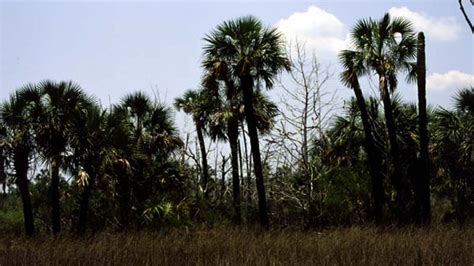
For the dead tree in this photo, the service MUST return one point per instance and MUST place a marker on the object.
(307, 104)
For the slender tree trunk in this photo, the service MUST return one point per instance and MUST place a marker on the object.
(223, 172)
(248, 169)
(55, 204)
(373, 157)
(205, 167)
(85, 199)
(241, 171)
(21, 168)
(124, 193)
(233, 135)
(3, 176)
(247, 86)
(461, 194)
(241, 164)
(394, 150)
(311, 213)
(425, 215)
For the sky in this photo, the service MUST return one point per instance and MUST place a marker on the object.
(113, 48)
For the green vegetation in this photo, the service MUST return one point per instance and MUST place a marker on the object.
(373, 184)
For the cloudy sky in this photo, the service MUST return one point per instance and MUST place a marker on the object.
(112, 48)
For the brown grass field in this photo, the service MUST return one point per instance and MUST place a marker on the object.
(442, 245)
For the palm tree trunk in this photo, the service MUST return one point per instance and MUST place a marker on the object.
(223, 173)
(462, 208)
(123, 192)
(241, 164)
(425, 215)
(378, 197)
(248, 169)
(55, 207)
(247, 86)
(205, 167)
(233, 135)
(394, 151)
(21, 168)
(3, 175)
(85, 199)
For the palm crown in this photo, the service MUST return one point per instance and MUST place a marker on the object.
(385, 47)
(247, 48)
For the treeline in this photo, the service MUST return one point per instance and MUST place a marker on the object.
(380, 161)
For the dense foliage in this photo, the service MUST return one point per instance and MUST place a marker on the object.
(66, 162)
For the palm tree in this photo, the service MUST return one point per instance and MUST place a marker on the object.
(194, 102)
(227, 113)
(151, 140)
(138, 106)
(424, 186)
(252, 53)
(121, 138)
(386, 47)
(94, 151)
(224, 118)
(453, 141)
(349, 77)
(16, 117)
(61, 103)
(153, 129)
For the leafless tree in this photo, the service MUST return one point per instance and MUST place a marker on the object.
(306, 106)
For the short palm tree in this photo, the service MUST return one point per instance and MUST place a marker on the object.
(92, 143)
(15, 115)
(252, 53)
(194, 102)
(151, 139)
(386, 47)
(453, 140)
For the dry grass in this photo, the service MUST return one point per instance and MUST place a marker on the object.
(353, 246)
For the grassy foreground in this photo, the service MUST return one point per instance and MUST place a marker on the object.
(352, 246)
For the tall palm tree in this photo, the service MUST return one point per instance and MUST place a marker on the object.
(194, 102)
(424, 182)
(350, 78)
(61, 104)
(227, 113)
(386, 47)
(252, 53)
(224, 119)
(16, 114)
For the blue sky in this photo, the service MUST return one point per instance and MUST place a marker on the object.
(113, 48)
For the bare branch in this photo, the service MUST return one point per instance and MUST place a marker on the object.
(465, 15)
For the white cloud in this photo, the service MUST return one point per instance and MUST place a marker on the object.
(442, 29)
(452, 79)
(321, 30)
